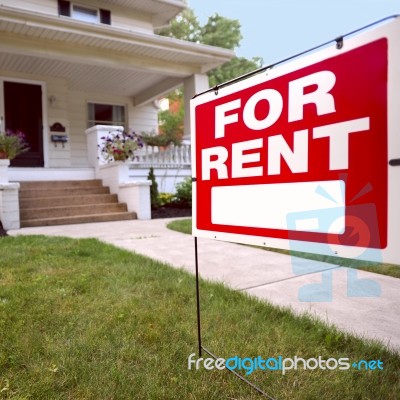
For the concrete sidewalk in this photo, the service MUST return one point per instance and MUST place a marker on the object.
(280, 279)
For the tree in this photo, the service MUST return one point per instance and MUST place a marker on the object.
(218, 31)
(238, 66)
(171, 121)
(184, 26)
(224, 32)
(221, 32)
(154, 195)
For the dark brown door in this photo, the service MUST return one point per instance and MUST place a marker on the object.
(23, 112)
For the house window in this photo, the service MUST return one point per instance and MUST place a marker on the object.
(82, 13)
(106, 114)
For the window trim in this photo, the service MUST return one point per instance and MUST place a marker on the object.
(106, 103)
(66, 9)
(105, 16)
(84, 7)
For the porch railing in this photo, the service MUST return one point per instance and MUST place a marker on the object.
(169, 157)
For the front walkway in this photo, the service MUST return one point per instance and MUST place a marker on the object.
(280, 279)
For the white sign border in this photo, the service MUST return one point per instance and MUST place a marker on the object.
(391, 254)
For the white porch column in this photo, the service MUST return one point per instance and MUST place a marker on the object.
(93, 141)
(115, 174)
(4, 164)
(195, 84)
(136, 194)
(9, 206)
(9, 202)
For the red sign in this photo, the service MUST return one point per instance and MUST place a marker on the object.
(274, 155)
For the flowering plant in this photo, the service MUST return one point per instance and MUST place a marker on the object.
(12, 144)
(120, 146)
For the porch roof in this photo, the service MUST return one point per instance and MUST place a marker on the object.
(101, 58)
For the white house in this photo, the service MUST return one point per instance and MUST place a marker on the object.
(69, 66)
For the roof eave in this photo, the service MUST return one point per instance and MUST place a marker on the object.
(211, 56)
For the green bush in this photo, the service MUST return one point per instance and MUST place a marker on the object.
(166, 198)
(183, 196)
(154, 195)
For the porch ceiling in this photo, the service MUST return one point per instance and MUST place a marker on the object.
(98, 58)
(91, 78)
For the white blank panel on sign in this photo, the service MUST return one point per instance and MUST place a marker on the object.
(270, 206)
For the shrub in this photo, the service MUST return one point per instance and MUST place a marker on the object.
(166, 198)
(183, 196)
(154, 195)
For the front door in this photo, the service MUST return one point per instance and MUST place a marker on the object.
(23, 112)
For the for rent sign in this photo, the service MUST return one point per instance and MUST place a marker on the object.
(301, 153)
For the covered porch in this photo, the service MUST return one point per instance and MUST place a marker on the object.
(67, 68)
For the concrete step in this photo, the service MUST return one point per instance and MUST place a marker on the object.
(71, 211)
(80, 219)
(66, 191)
(36, 185)
(42, 202)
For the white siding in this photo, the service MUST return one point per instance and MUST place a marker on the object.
(130, 20)
(120, 17)
(40, 6)
(59, 155)
(143, 119)
(77, 115)
(139, 119)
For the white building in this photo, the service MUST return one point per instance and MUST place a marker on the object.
(67, 66)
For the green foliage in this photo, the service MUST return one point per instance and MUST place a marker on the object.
(154, 195)
(181, 225)
(224, 32)
(170, 122)
(221, 32)
(184, 26)
(119, 146)
(160, 140)
(12, 144)
(218, 31)
(238, 66)
(183, 194)
(166, 198)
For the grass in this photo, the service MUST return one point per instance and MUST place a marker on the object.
(185, 226)
(80, 319)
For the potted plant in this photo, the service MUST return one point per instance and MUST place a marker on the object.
(12, 144)
(119, 146)
(164, 139)
(156, 140)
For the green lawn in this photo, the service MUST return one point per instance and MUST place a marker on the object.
(80, 319)
(185, 226)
